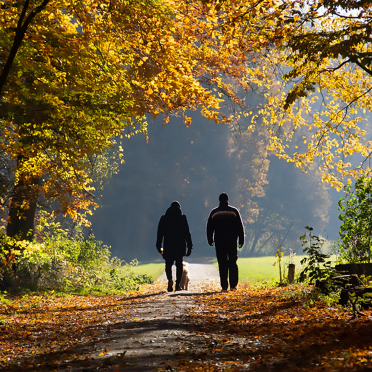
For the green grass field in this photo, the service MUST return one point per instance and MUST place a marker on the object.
(258, 269)
(153, 269)
(254, 269)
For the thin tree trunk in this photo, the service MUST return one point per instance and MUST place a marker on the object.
(22, 209)
(257, 235)
(263, 244)
(255, 242)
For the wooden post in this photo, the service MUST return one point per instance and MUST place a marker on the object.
(291, 273)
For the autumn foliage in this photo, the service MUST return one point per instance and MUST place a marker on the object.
(84, 75)
(260, 329)
(76, 77)
(254, 329)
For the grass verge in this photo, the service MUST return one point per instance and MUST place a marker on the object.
(155, 270)
(258, 269)
(252, 269)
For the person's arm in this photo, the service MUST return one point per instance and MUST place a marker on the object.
(188, 237)
(240, 230)
(210, 230)
(160, 234)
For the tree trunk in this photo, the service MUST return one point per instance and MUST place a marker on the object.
(22, 210)
(255, 242)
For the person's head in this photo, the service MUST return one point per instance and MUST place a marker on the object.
(223, 198)
(174, 209)
(176, 204)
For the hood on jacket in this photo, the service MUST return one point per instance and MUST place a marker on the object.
(174, 209)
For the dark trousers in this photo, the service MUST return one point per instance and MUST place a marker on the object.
(179, 268)
(227, 255)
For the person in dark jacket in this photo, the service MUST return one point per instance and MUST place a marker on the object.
(174, 230)
(225, 229)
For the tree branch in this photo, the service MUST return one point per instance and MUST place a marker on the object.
(18, 38)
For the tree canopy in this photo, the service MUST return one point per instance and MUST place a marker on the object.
(326, 87)
(76, 76)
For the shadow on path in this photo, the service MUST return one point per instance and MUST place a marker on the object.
(152, 332)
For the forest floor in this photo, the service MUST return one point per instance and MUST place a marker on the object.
(252, 329)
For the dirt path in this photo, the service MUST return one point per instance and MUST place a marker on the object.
(258, 328)
(199, 273)
(153, 333)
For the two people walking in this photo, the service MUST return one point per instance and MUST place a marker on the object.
(224, 231)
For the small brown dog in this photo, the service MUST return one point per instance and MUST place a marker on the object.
(185, 280)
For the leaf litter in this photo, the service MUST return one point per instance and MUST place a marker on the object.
(252, 329)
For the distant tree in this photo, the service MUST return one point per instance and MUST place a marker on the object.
(249, 155)
(290, 200)
(274, 198)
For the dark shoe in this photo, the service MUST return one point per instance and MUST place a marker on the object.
(224, 290)
(178, 288)
(170, 285)
(233, 289)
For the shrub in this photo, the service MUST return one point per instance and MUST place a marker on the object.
(65, 261)
(316, 266)
(355, 241)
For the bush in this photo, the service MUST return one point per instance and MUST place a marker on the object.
(317, 265)
(65, 262)
(355, 243)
